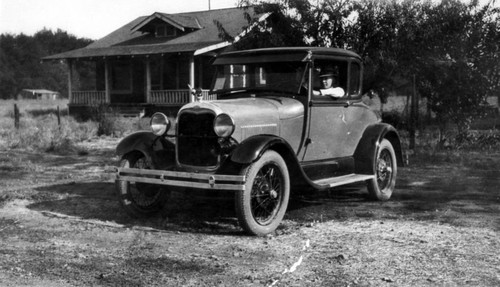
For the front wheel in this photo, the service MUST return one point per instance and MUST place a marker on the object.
(262, 205)
(139, 199)
(385, 171)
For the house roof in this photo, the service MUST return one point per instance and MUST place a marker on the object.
(178, 21)
(40, 91)
(201, 34)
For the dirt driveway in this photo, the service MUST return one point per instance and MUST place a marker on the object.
(60, 225)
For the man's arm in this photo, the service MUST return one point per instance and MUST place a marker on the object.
(332, 92)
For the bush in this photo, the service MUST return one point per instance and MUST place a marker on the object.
(111, 123)
(43, 134)
(478, 140)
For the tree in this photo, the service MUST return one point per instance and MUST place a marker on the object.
(459, 66)
(452, 48)
(279, 29)
(20, 65)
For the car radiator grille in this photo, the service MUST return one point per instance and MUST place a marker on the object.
(197, 143)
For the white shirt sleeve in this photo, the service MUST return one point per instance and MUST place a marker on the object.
(333, 92)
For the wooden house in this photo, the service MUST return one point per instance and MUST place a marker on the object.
(147, 64)
(38, 94)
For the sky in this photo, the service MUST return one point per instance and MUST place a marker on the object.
(91, 19)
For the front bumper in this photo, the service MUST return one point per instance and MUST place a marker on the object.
(181, 179)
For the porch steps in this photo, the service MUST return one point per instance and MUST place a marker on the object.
(345, 179)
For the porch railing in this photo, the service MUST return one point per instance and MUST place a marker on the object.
(176, 97)
(164, 97)
(88, 97)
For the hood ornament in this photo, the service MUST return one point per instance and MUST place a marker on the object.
(197, 93)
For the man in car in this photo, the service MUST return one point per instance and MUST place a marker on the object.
(329, 84)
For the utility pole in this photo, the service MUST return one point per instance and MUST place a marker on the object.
(209, 5)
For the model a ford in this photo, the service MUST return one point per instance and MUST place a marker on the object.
(284, 119)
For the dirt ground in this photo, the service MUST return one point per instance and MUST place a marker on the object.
(61, 225)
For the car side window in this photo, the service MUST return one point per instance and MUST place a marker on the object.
(330, 80)
(355, 80)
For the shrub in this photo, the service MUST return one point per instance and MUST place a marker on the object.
(111, 123)
(478, 140)
(43, 134)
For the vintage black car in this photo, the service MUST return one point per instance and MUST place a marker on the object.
(273, 128)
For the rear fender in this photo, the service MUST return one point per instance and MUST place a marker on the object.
(367, 147)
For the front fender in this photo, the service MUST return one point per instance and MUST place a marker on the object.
(144, 142)
(367, 147)
(252, 148)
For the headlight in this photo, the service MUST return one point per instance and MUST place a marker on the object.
(159, 124)
(223, 125)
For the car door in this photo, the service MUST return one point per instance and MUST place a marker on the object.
(335, 124)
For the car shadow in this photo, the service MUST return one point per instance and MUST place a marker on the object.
(190, 211)
(461, 198)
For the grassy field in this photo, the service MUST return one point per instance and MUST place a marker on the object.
(41, 130)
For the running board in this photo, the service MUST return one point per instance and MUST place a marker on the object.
(345, 179)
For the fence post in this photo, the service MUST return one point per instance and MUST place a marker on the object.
(16, 117)
(58, 117)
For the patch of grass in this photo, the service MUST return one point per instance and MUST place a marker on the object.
(15, 164)
(44, 134)
(44, 112)
(39, 129)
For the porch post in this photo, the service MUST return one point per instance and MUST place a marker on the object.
(191, 76)
(148, 80)
(107, 81)
(70, 80)
(200, 73)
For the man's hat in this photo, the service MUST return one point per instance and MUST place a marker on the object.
(329, 72)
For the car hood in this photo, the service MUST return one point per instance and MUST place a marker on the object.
(253, 115)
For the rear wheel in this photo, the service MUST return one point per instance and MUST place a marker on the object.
(137, 198)
(385, 171)
(262, 205)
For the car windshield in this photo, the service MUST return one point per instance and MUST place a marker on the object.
(283, 77)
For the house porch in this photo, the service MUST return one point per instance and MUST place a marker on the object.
(137, 85)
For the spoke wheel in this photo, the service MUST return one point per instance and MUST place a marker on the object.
(139, 199)
(385, 171)
(262, 205)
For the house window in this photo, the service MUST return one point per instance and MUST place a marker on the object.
(164, 30)
(121, 77)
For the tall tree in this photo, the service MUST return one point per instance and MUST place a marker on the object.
(450, 47)
(459, 66)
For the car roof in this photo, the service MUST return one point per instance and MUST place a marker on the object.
(323, 51)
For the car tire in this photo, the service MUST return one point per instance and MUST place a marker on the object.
(260, 208)
(139, 199)
(385, 170)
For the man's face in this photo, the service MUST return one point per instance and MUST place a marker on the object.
(327, 82)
